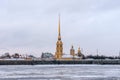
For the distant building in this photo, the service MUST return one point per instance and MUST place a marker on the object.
(59, 49)
(72, 51)
(59, 44)
(29, 57)
(16, 55)
(6, 56)
(47, 56)
(80, 53)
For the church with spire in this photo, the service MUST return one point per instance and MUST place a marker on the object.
(59, 55)
(59, 44)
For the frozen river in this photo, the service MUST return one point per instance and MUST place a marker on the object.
(60, 72)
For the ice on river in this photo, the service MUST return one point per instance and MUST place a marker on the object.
(60, 72)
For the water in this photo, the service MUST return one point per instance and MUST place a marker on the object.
(60, 72)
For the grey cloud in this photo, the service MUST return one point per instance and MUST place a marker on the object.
(90, 24)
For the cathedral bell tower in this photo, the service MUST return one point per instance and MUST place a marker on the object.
(59, 44)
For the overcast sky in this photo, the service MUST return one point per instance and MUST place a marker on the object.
(30, 26)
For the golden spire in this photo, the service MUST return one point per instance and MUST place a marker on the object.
(59, 36)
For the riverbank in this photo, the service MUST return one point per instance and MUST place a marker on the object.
(42, 62)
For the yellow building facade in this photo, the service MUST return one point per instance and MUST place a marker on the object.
(72, 51)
